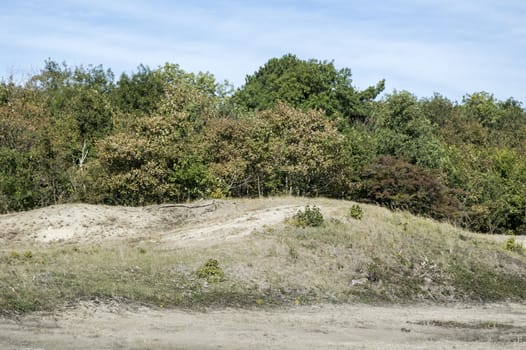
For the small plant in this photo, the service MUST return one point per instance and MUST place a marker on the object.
(17, 256)
(356, 212)
(310, 217)
(293, 252)
(211, 271)
(513, 246)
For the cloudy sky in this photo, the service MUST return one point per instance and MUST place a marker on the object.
(453, 47)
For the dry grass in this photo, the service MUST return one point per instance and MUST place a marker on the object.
(385, 257)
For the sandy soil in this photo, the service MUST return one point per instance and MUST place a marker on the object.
(202, 222)
(314, 327)
(113, 326)
(178, 224)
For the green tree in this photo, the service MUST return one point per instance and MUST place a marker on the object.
(438, 109)
(306, 84)
(139, 92)
(159, 156)
(403, 130)
(31, 170)
(482, 107)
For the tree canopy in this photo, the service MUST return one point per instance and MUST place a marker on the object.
(295, 127)
(306, 84)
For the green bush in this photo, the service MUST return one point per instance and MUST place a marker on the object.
(356, 212)
(310, 217)
(211, 271)
(513, 246)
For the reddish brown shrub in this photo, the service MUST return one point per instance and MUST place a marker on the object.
(397, 184)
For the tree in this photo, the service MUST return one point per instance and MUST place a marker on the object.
(32, 170)
(403, 131)
(482, 107)
(400, 185)
(306, 84)
(438, 109)
(160, 156)
(281, 150)
(139, 92)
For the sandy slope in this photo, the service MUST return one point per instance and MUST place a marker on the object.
(201, 222)
(96, 326)
(179, 224)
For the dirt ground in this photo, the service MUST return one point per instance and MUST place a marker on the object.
(114, 326)
(201, 222)
(91, 326)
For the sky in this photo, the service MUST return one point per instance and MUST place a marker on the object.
(450, 47)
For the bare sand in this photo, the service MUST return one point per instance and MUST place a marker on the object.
(91, 326)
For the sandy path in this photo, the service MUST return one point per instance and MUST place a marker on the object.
(201, 223)
(234, 227)
(310, 327)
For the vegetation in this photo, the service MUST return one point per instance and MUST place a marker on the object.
(296, 126)
(356, 212)
(385, 257)
(310, 217)
(512, 245)
(211, 271)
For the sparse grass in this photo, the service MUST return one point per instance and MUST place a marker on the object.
(395, 257)
(58, 276)
(406, 258)
(480, 331)
(465, 325)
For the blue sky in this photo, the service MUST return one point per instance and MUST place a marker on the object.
(423, 46)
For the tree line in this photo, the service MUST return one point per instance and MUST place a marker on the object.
(299, 127)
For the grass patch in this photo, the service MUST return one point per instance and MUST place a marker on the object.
(54, 277)
(481, 282)
(403, 258)
(465, 325)
(57, 276)
(480, 331)
(513, 246)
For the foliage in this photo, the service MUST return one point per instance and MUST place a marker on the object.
(403, 131)
(512, 245)
(138, 92)
(211, 271)
(309, 217)
(295, 127)
(282, 150)
(356, 212)
(400, 185)
(306, 84)
(160, 157)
